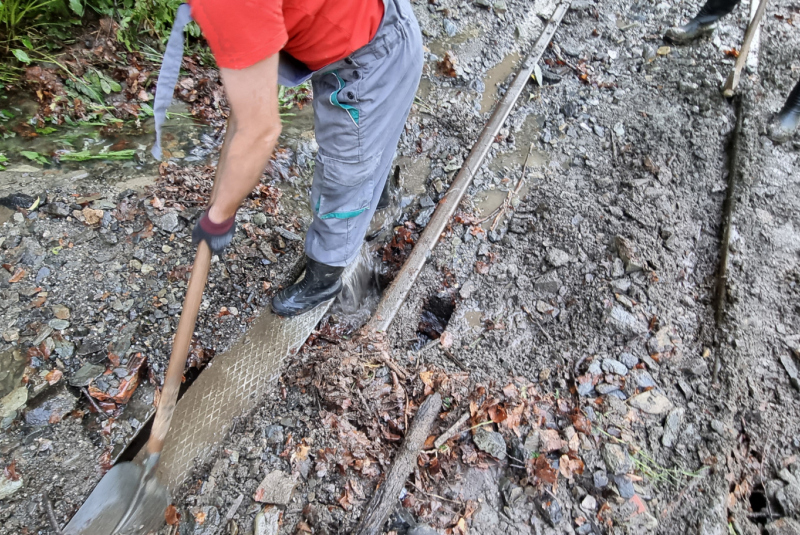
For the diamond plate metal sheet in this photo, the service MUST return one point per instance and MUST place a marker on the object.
(230, 387)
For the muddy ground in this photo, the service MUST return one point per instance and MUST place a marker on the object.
(591, 300)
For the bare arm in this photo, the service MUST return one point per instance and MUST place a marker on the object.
(253, 129)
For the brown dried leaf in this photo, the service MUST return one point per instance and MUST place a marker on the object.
(17, 276)
(53, 376)
(172, 516)
(92, 216)
(446, 340)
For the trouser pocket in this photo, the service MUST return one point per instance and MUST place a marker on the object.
(342, 190)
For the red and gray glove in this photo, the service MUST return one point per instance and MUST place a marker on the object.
(217, 235)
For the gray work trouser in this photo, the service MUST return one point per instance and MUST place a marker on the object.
(360, 108)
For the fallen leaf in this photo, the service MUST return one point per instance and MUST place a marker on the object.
(53, 376)
(157, 203)
(199, 517)
(497, 413)
(17, 276)
(172, 516)
(10, 471)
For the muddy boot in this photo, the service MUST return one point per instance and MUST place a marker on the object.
(703, 24)
(319, 284)
(784, 124)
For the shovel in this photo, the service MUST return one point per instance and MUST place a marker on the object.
(130, 500)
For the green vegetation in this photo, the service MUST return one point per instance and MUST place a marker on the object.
(85, 155)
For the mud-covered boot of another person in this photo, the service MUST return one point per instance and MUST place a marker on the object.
(703, 24)
(785, 123)
(319, 284)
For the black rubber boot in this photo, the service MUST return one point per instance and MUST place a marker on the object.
(319, 284)
(386, 194)
(703, 24)
(784, 124)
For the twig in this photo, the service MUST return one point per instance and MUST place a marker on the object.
(455, 360)
(51, 516)
(733, 79)
(395, 368)
(444, 437)
(100, 411)
(534, 320)
(511, 193)
(234, 507)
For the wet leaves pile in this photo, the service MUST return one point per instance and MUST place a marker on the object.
(366, 401)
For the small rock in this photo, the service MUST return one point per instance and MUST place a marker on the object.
(60, 311)
(552, 512)
(500, 6)
(424, 217)
(86, 374)
(276, 488)
(643, 379)
(13, 401)
(615, 367)
(51, 409)
(605, 388)
(672, 427)
(617, 459)
(449, 27)
(624, 486)
(491, 442)
(11, 335)
(651, 402)
(629, 360)
(548, 283)
(718, 427)
(259, 219)
(168, 222)
(9, 486)
(686, 389)
(210, 523)
(600, 479)
(531, 444)
(422, 529)
(147, 268)
(483, 3)
(557, 257)
(625, 322)
(166, 249)
(696, 368)
(426, 201)
(589, 503)
(58, 325)
(660, 342)
(58, 209)
(267, 522)
(782, 526)
(291, 236)
(42, 274)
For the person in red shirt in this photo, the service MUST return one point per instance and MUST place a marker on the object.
(364, 59)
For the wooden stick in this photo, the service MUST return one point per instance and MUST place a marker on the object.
(733, 79)
(180, 349)
(386, 496)
(51, 516)
(752, 56)
(451, 431)
(511, 193)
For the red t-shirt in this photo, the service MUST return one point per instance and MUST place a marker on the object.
(316, 32)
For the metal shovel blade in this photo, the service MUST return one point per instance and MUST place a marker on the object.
(111, 499)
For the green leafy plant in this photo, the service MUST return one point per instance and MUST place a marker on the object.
(3, 160)
(34, 157)
(85, 155)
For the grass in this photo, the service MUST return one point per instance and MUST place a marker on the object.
(85, 155)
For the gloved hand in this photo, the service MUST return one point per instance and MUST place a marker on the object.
(216, 235)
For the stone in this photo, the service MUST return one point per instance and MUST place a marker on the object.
(424, 216)
(624, 486)
(600, 479)
(651, 402)
(449, 27)
(58, 325)
(259, 219)
(531, 445)
(13, 401)
(58, 209)
(782, 526)
(422, 529)
(288, 235)
(696, 368)
(548, 283)
(614, 366)
(660, 342)
(9, 486)
(491, 442)
(86, 374)
(276, 488)
(147, 268)
(672, 427)
(267, 522)
(627, 254)
(210, 523)
(643, 379)
(557, 257)
(168, 222)
(625, 323)
(61, 312)
(617, 459)
(51, 409)
(42, 274)
(628, 359)
(11, 335)
(589, 503)
(552, 512)
(500, 6)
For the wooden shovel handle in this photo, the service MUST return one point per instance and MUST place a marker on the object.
(180, 349)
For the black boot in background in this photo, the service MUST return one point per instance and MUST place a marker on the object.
(784, 124)
(703, 24)
(319, 284)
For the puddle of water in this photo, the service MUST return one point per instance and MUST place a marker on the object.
(528, 133)
(474, 319)
(184, 138)
(441, 46)
(494, 76)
